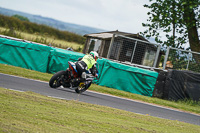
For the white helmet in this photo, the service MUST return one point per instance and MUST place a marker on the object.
(94, 54)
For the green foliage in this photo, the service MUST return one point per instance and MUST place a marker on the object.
(44, 39)
(22, 18)
(25, 26)
(177, 19)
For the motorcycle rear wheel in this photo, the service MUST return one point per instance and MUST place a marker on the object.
(82, 87)
(56, 79)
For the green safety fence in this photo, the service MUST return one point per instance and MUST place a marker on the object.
(23, 54)
(35, 57)
(126, 78)
(58, 59)
(48, 59)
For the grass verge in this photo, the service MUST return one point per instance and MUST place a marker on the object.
(45, 39)
(188, 106)
(31, 112)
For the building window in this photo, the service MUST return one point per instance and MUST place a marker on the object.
(149, 58)
(94, 45)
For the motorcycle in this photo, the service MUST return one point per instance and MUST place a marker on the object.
(70, 79)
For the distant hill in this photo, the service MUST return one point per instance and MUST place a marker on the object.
(75, 28)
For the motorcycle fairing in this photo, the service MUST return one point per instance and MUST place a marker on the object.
(72, 66)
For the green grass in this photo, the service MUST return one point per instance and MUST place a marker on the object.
(18, 71)
(188, 106)
(31, 112)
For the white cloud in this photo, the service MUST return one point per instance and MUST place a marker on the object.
(124, 15)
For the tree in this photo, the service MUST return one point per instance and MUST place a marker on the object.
(22, 18)
(179, 20)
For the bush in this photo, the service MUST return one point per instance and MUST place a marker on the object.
(26, 26)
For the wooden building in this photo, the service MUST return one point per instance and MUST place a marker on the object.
(126, 47)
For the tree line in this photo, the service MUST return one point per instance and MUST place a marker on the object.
(29, 27)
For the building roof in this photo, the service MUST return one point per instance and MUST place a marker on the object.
(109, 34)
(100, 35)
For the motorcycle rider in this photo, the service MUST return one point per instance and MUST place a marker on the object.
(87, 63)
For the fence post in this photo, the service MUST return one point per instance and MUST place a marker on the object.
(157, 54)
(166, 56)
(87, 45)
(118, 53)
(188, 60)
(111, 44)
(133, 51)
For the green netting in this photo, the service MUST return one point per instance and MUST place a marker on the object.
(126, 78)
(47, 59)
(23, 54)
(59, 59)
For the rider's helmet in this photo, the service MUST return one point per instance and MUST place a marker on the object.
(95, 55)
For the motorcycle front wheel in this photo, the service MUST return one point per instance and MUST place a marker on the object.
(56, 79)
(82, 87)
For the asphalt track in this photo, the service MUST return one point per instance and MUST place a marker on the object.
(23, 84)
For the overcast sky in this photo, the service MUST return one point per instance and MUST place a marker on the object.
(124, 15)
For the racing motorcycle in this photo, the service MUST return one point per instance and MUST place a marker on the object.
(70, 79)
